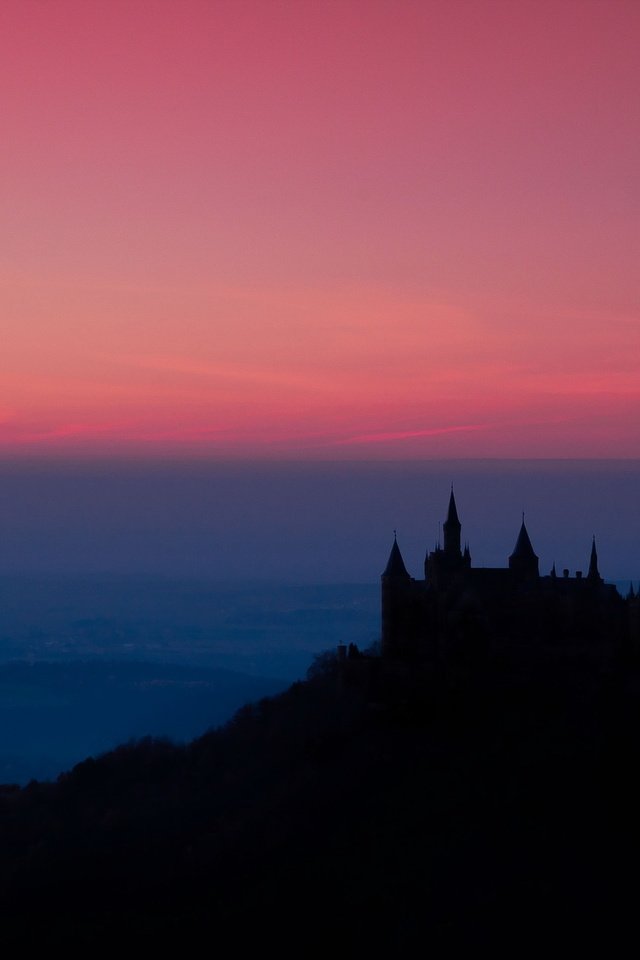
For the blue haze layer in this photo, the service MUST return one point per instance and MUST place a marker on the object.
(157, 598)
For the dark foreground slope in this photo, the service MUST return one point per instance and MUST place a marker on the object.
(377, 809)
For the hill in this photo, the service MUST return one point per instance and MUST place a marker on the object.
(53, 714)
(370, 808)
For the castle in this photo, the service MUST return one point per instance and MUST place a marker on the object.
(461, 609)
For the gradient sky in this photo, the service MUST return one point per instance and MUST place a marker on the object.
(304, 229)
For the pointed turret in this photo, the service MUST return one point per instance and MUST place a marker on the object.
(452, 528)
(593, 573)
(631, 595)
(553, 573)
(523, 549)
(397, 626)
(395, 565)
(523, 560)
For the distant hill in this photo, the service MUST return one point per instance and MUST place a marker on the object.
(54, 714)
(361, 810)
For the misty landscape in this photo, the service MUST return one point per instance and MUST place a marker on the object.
(91, 662)
(111, 631)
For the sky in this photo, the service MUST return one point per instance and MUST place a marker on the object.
(292, 229)
(307, 522)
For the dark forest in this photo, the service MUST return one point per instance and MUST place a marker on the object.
(371, 805)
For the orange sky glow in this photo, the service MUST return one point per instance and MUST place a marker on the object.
(302, 230)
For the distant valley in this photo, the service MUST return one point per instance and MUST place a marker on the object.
(89, 662)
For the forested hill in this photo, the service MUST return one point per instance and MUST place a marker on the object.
(366, 810)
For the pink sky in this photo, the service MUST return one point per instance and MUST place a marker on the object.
(355, 229)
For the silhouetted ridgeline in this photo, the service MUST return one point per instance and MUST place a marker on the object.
(375, 805)
(54, 714)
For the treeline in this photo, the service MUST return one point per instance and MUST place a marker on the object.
(365, 808)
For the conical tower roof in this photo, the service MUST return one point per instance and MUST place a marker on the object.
(523, 549)
(395, 565)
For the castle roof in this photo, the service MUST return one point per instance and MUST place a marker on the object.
(523, 549)
(395, 565)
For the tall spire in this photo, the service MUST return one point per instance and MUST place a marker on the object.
(452, 528)
(452, 514)
(593, 573)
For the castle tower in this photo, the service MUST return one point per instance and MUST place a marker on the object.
(452, 528)
(396, 588)
(593, 574)
(523, 561)
(447, 564)
(395, 564)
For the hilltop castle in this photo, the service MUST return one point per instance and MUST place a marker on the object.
(458, 608)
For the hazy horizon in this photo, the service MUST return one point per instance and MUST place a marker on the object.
(309, 522)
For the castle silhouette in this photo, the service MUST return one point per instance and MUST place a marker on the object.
(461, 609)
